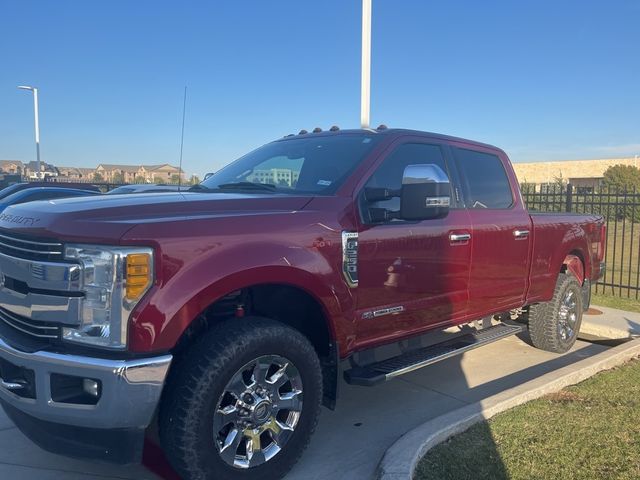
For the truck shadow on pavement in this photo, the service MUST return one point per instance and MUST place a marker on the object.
(350, 441)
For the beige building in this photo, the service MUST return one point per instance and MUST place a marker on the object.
(580, 173)
(138, 173)
(76, 173)
(11, 166)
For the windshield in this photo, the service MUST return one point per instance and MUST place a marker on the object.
(310, 164)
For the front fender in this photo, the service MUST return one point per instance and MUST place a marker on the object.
(168, 310)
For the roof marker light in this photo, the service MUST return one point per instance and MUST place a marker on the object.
(302, 132)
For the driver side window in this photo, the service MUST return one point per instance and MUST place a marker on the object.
(389, 173)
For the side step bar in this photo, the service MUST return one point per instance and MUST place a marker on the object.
(378, 372)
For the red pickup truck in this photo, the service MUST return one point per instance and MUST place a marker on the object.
(227, 314)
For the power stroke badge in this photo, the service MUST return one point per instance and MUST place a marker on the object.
(350, 258)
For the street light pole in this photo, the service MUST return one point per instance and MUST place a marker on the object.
(365, 87)
(37, 125)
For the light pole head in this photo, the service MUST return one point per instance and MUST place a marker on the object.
(26, 87)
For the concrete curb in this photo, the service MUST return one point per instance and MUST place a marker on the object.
(400, 460)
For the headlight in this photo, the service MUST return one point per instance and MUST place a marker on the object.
(114, 279)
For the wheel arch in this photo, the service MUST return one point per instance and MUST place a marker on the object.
(574, 264)
(306, 307)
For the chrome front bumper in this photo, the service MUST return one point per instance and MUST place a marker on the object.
(130, 389)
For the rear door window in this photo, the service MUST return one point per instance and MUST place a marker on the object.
(484, 179)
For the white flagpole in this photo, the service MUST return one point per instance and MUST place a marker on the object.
(365, 87)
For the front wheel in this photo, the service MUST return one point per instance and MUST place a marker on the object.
(554, 325)
(243, 403)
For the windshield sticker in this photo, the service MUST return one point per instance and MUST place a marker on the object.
(324, 183)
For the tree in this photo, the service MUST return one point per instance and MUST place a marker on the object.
(624, 178)
(158, 180)
(97, 177)
(194, 180)
(175, 178)
(118, 177)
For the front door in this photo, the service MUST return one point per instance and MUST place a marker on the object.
(412, 275)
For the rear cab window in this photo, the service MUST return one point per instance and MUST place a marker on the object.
(484, 180)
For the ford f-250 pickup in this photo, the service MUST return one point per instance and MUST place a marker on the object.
(226, 315)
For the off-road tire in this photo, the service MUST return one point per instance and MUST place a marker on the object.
(544, 317)
(195, 384)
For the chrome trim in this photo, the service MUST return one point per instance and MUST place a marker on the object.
(437, 201)
(521, 233)
(15, 239)
(41, 274)
(459, 237)
(11, 320)
(131, 389)
(424, 173)
(350, 258)
(382, 312)
(39, 252)
(11, 385)
(44, 308)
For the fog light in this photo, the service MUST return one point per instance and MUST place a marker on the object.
(75, 390)
(92, 387)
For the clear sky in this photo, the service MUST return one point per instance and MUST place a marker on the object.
(544, 79)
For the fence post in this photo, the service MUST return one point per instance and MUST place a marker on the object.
(569, 204)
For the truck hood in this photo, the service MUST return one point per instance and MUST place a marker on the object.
(107, 218)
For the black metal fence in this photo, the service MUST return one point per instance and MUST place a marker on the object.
(621, 210)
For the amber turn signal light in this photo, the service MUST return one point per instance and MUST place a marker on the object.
(138, 275)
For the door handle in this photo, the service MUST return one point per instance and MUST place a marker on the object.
(459, 237)
(520, 234)
(11, 385)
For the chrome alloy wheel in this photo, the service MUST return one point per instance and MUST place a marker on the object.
(258, 411)
(568, 315)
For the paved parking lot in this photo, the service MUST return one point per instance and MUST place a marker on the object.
(350, 441)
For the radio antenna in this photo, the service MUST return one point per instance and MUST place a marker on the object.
(184, 110)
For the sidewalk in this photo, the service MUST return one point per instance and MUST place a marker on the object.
(350, 441)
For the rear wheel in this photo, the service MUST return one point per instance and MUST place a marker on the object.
(554, 325)
(243, 403)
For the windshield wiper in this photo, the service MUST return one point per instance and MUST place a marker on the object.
(198, 187)
(248, 186)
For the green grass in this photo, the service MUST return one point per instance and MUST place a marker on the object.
(621, 303)
(588, 431)
(622, 268)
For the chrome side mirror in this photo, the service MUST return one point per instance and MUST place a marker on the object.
(425, 193)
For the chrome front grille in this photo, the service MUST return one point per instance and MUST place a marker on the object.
(28, 326)
(32, 248)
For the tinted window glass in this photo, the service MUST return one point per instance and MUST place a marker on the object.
(486, 181)
(307, 163)
(389, 174)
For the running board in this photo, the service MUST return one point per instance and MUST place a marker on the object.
(378, 372)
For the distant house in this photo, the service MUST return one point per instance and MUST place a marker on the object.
(76, 173)
(137, 173)
(164, 171)
(14, 167)
(46, 170)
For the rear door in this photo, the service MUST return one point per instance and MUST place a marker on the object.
(501, 230)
